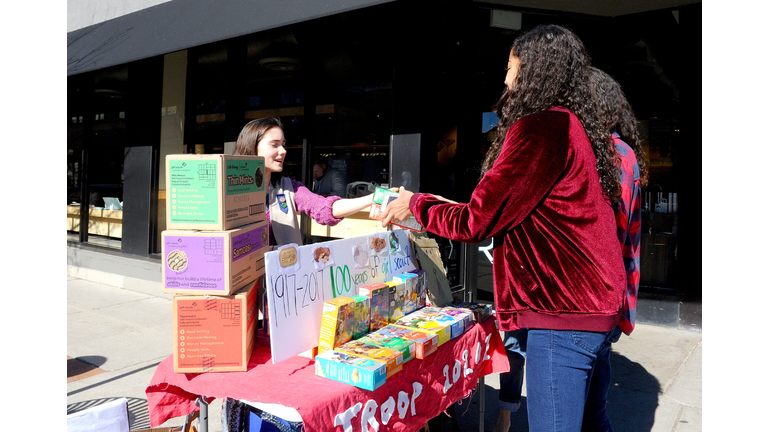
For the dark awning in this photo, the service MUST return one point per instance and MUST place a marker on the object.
(182, 24)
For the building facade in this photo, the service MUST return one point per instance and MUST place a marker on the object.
(392, 92)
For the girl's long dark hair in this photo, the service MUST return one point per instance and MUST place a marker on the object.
(616, 115)
(251, 134)
(553, 72)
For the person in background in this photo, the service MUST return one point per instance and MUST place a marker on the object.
(328, 181)
(545, 197)
(616, 116)
(287, 197)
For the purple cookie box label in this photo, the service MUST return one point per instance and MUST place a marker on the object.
(205, 263)
(249, 242)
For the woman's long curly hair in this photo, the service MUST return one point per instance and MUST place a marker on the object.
(616, 115)
(553, 72)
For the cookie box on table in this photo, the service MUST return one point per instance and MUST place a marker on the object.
(456, 324)
(213, 262)
(214, 333)
(350, 369)
(424, 343)
(463, 314)
(396, 300)
(362, 316)
(393, 358)
(426, 324)
(480, 311)
(214, 192)
(391, 342)
(410, 288)
(338, 323)
(379, 294)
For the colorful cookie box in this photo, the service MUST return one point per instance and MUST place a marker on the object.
(416, 321)
(213, 262)
(391, 342)
(337, 324)
(480, 311)
(379, 294)
(393, 358)
(396, 300)
(410, 283)
(424, 343)
(437, 314)
(463, 314)
(214, 192)
(362, 316)
(351, 369)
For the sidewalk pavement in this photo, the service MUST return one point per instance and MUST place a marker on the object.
(118, 332)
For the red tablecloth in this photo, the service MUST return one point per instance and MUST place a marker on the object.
(419, 392)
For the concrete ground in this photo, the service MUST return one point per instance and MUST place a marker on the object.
(119, 328)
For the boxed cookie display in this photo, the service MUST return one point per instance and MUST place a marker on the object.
(426, 324)
(214, 333)
(424, 343)
(396, 300)
(338, 323)
(480, 311)
(362, 316)
(410, 288)
(214, 192)
(456, 324)
(213, 262)
(393, 358)
(462, 314)
(350, 369)
(379, 294)
(389, 341)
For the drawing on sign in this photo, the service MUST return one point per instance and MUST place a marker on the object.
(296, 297)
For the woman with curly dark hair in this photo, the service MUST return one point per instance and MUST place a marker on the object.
(545, 198)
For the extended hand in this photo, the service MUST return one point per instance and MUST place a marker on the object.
(398, 210)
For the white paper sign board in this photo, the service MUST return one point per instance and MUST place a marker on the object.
(107, 417)
(297, 288)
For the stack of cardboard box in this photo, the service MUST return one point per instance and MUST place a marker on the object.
(213, 258)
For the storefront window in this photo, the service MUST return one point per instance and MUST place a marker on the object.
(97, 137)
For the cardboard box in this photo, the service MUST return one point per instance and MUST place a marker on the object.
(422, 323)
(362, 316)
(214, 333)
(338, 323)
(424, 343)
(213, 262)
(351, 369)
(393, 358)
(392, 342)
(379, 294)
(396, 300)
(214, 192)
(410, 282)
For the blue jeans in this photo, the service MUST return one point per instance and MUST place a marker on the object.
(559, 371)
(595, 413)
(511, 383)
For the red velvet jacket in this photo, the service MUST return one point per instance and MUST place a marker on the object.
(556, 262)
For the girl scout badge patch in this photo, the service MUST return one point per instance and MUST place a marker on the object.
(283, 204)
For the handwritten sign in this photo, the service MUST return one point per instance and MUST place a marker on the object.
(299, 279)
